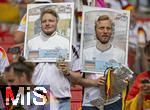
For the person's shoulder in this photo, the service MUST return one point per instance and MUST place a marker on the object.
(22, 25)
(23, 20)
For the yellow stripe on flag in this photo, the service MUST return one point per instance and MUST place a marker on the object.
(124, 95)
(108, 84)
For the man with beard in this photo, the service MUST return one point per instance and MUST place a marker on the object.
(103, 51)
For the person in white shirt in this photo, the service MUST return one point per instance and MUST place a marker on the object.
(103, 51)
(50, 74)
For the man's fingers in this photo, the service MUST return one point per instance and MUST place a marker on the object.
(61, 63)
(101, 81)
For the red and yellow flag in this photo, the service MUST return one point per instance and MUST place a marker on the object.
(108, 83)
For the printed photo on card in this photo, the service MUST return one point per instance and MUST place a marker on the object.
(104, 39)
(49, 32)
